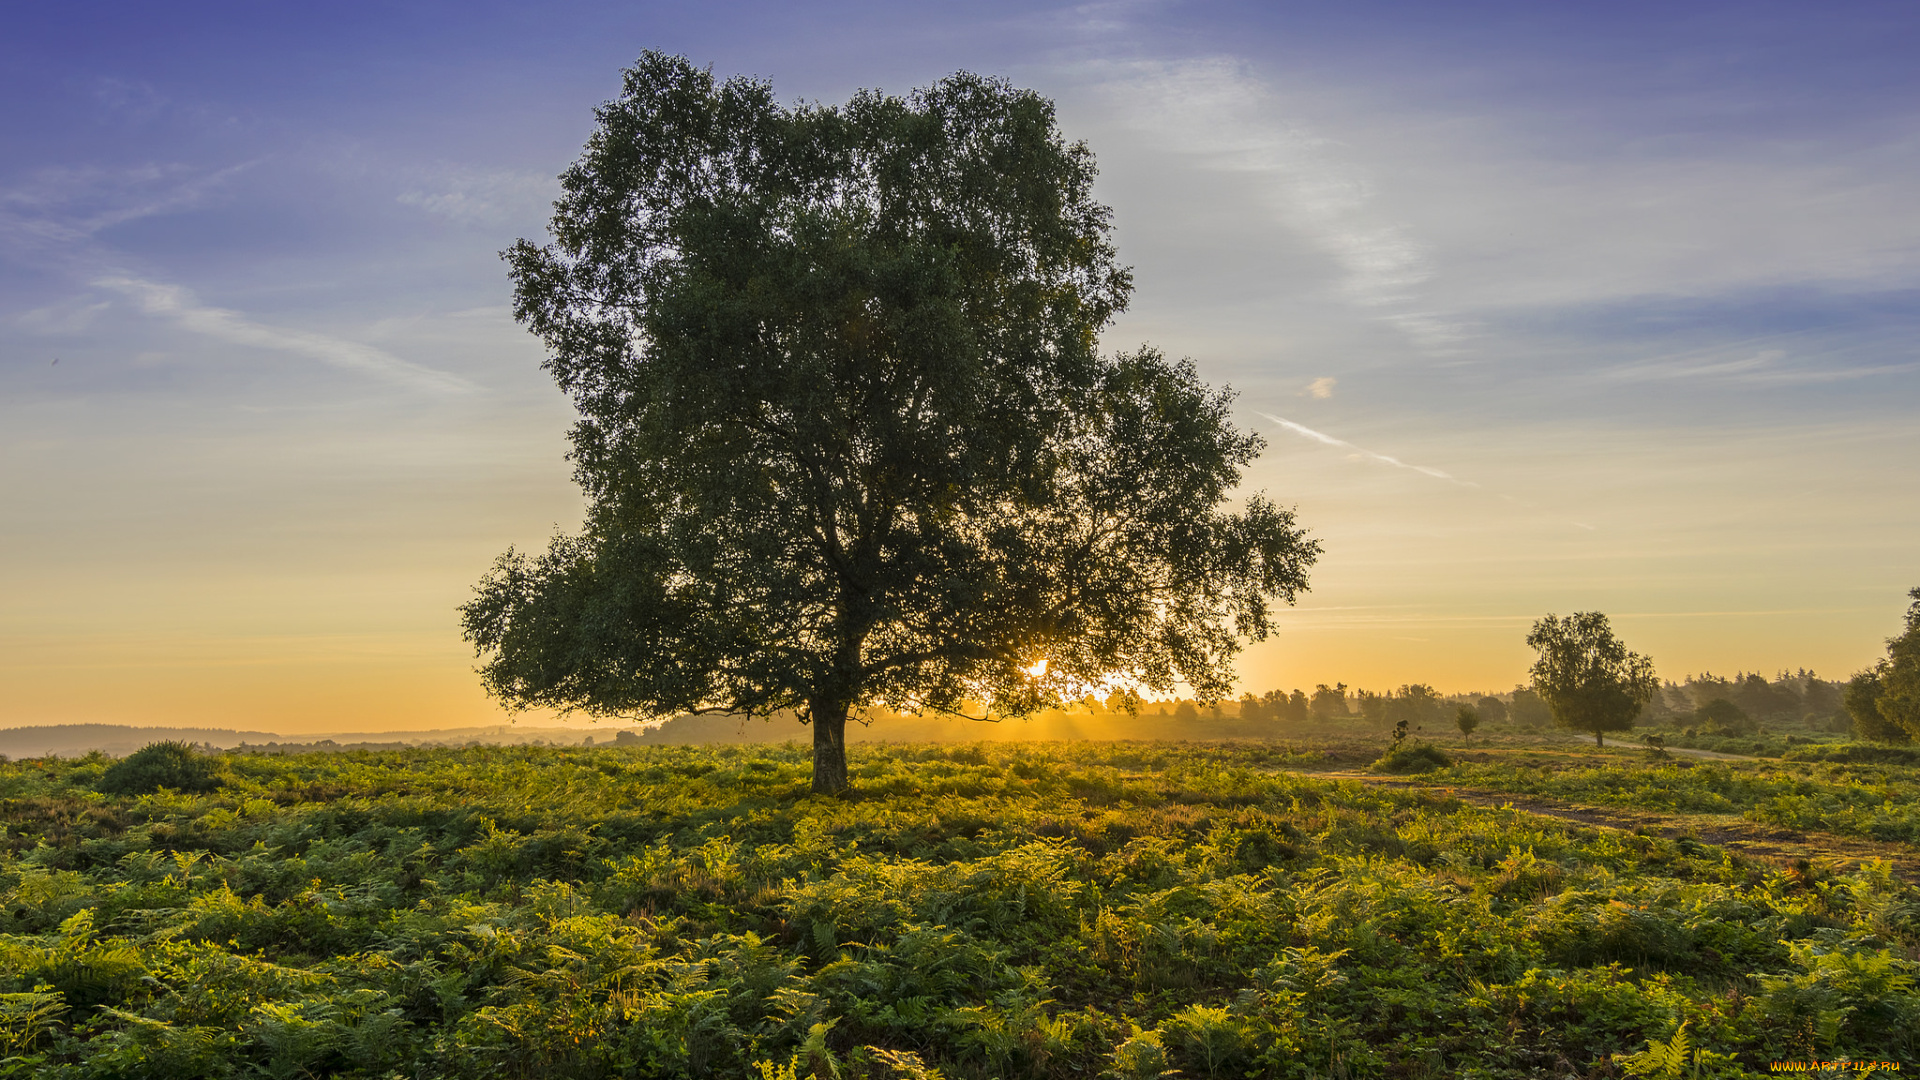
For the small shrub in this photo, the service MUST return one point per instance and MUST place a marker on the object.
(157, 765)
(1413, 759)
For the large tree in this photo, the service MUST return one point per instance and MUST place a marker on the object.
(1884, 700)
(846, 432)
(1587, 677)
(1900, 703)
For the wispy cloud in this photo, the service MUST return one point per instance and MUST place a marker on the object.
(177, 306)
(59, 320)
(130, 99)
(1762, 367)
(478, 196)
(1384, 459)
(1321, 387)
(1216, 110)
(61, 207)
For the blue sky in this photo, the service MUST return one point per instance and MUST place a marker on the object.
(1563, 307)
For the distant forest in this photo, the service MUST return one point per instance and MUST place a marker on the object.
(1746, 704)
(1743, 704)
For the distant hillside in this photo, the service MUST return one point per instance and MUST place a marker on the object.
(73, 740)
(118, 740)
(496, 735)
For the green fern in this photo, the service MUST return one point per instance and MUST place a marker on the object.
(1665, 1060)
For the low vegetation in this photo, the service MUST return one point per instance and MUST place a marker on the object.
(973, 911)
(169, 764)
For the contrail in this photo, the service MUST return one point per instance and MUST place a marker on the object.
(1322, 437)
(1387, 459)
(176, 304)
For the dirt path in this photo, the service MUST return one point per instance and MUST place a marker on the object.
(1766, 843)
(1712, 755)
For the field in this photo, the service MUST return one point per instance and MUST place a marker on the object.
(1539, 908)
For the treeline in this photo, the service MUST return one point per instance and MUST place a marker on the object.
(1742, 704)
(1749, 703)
(1417, 704)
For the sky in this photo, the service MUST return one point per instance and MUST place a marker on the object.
(1539, 307)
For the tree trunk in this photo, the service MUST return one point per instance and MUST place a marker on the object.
(1598, 738)
(829, 750)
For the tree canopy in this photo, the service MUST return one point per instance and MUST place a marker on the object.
(846, 432)
(1491, 709)
(1723, 717)
(1586, 676)
(1529, 710)
(1900, 700)
(1884, 700)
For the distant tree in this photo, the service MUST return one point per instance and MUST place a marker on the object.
(1491, 709)
(1329, 702)
(1861, 699)
(1820, 698)
(1466, 719)
(1723, 717)
(1297, 707)
(1706, 687)
(1529, 710)
(1186, 714)
(1273, 707)
(1863, 696)
(1416, 703)
(1763, 700)
(1899, 702)
(846, 435)
(1586, 676)
(1252, 709)
(1373, 707)
(1657, 707)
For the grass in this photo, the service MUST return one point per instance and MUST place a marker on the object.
(973, 911)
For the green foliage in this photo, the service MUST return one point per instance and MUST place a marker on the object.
(846, 435)
(1467, 719)
(1419, 757)
(1660, 1059)
(26, 1019)
(1416, 705)
(1491, 709)
(982, 911)
(1529, 710)
(1874, 802)
(1723, 717)
(1844, 995)
(1328, 702)
(1899, 700)
(163, 764)
(1857, 754)
(1862, 700)
(1586, 676)
(1675, 1059)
